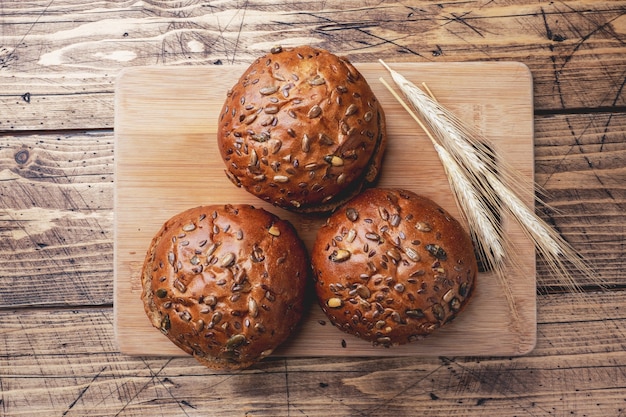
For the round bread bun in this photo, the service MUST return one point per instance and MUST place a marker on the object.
(302, 130)
(391, 267)
(225, 283)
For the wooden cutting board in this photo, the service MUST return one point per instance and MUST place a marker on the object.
(167, 161)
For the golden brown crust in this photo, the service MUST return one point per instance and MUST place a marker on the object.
(225, 283)
(391, 266)
(302, 130)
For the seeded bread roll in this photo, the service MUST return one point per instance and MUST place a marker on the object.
(391, 267)
(225, 283)
(302, 130)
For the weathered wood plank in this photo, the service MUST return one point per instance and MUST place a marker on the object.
(57, 362)
(56, 200)
(579, 161)
(57, 70)
(56, 219)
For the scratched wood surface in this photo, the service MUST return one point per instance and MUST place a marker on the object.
(58, 63)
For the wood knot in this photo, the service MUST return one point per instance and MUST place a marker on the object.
(21, 156)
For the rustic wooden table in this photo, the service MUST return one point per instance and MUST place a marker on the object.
(58, 65)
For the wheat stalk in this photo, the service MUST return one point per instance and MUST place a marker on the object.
(483, 222)
(493, 181)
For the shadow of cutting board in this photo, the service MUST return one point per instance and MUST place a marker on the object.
(167, 161)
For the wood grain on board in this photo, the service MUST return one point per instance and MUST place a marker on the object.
(167, 161)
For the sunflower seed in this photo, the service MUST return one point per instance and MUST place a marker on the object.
(249, 119)
(363, 291)
(394, 220)
(306, 143)
(257, 254)
(165, 323)
(314, 112)
(253, 308)
(394, 254)
(189, 227)
(416, 314)
(439, 312)
(352, 214)
(217, 317)
(266, 91)
(317, 80)
(326, 140)
(352, 108)
(185, 316)
(271, 109)
(211, 300)
(227, 260)
(179, 286)
(412, 254)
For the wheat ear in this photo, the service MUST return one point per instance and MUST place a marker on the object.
(479, 161)
(482, 221)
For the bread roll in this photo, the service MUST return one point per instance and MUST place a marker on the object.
(302, 130)
(225, 283)
(391, 267)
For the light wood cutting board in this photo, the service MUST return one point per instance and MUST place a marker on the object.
(167, 161)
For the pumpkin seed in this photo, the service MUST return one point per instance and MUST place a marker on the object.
(437, 251)
(235, 341)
